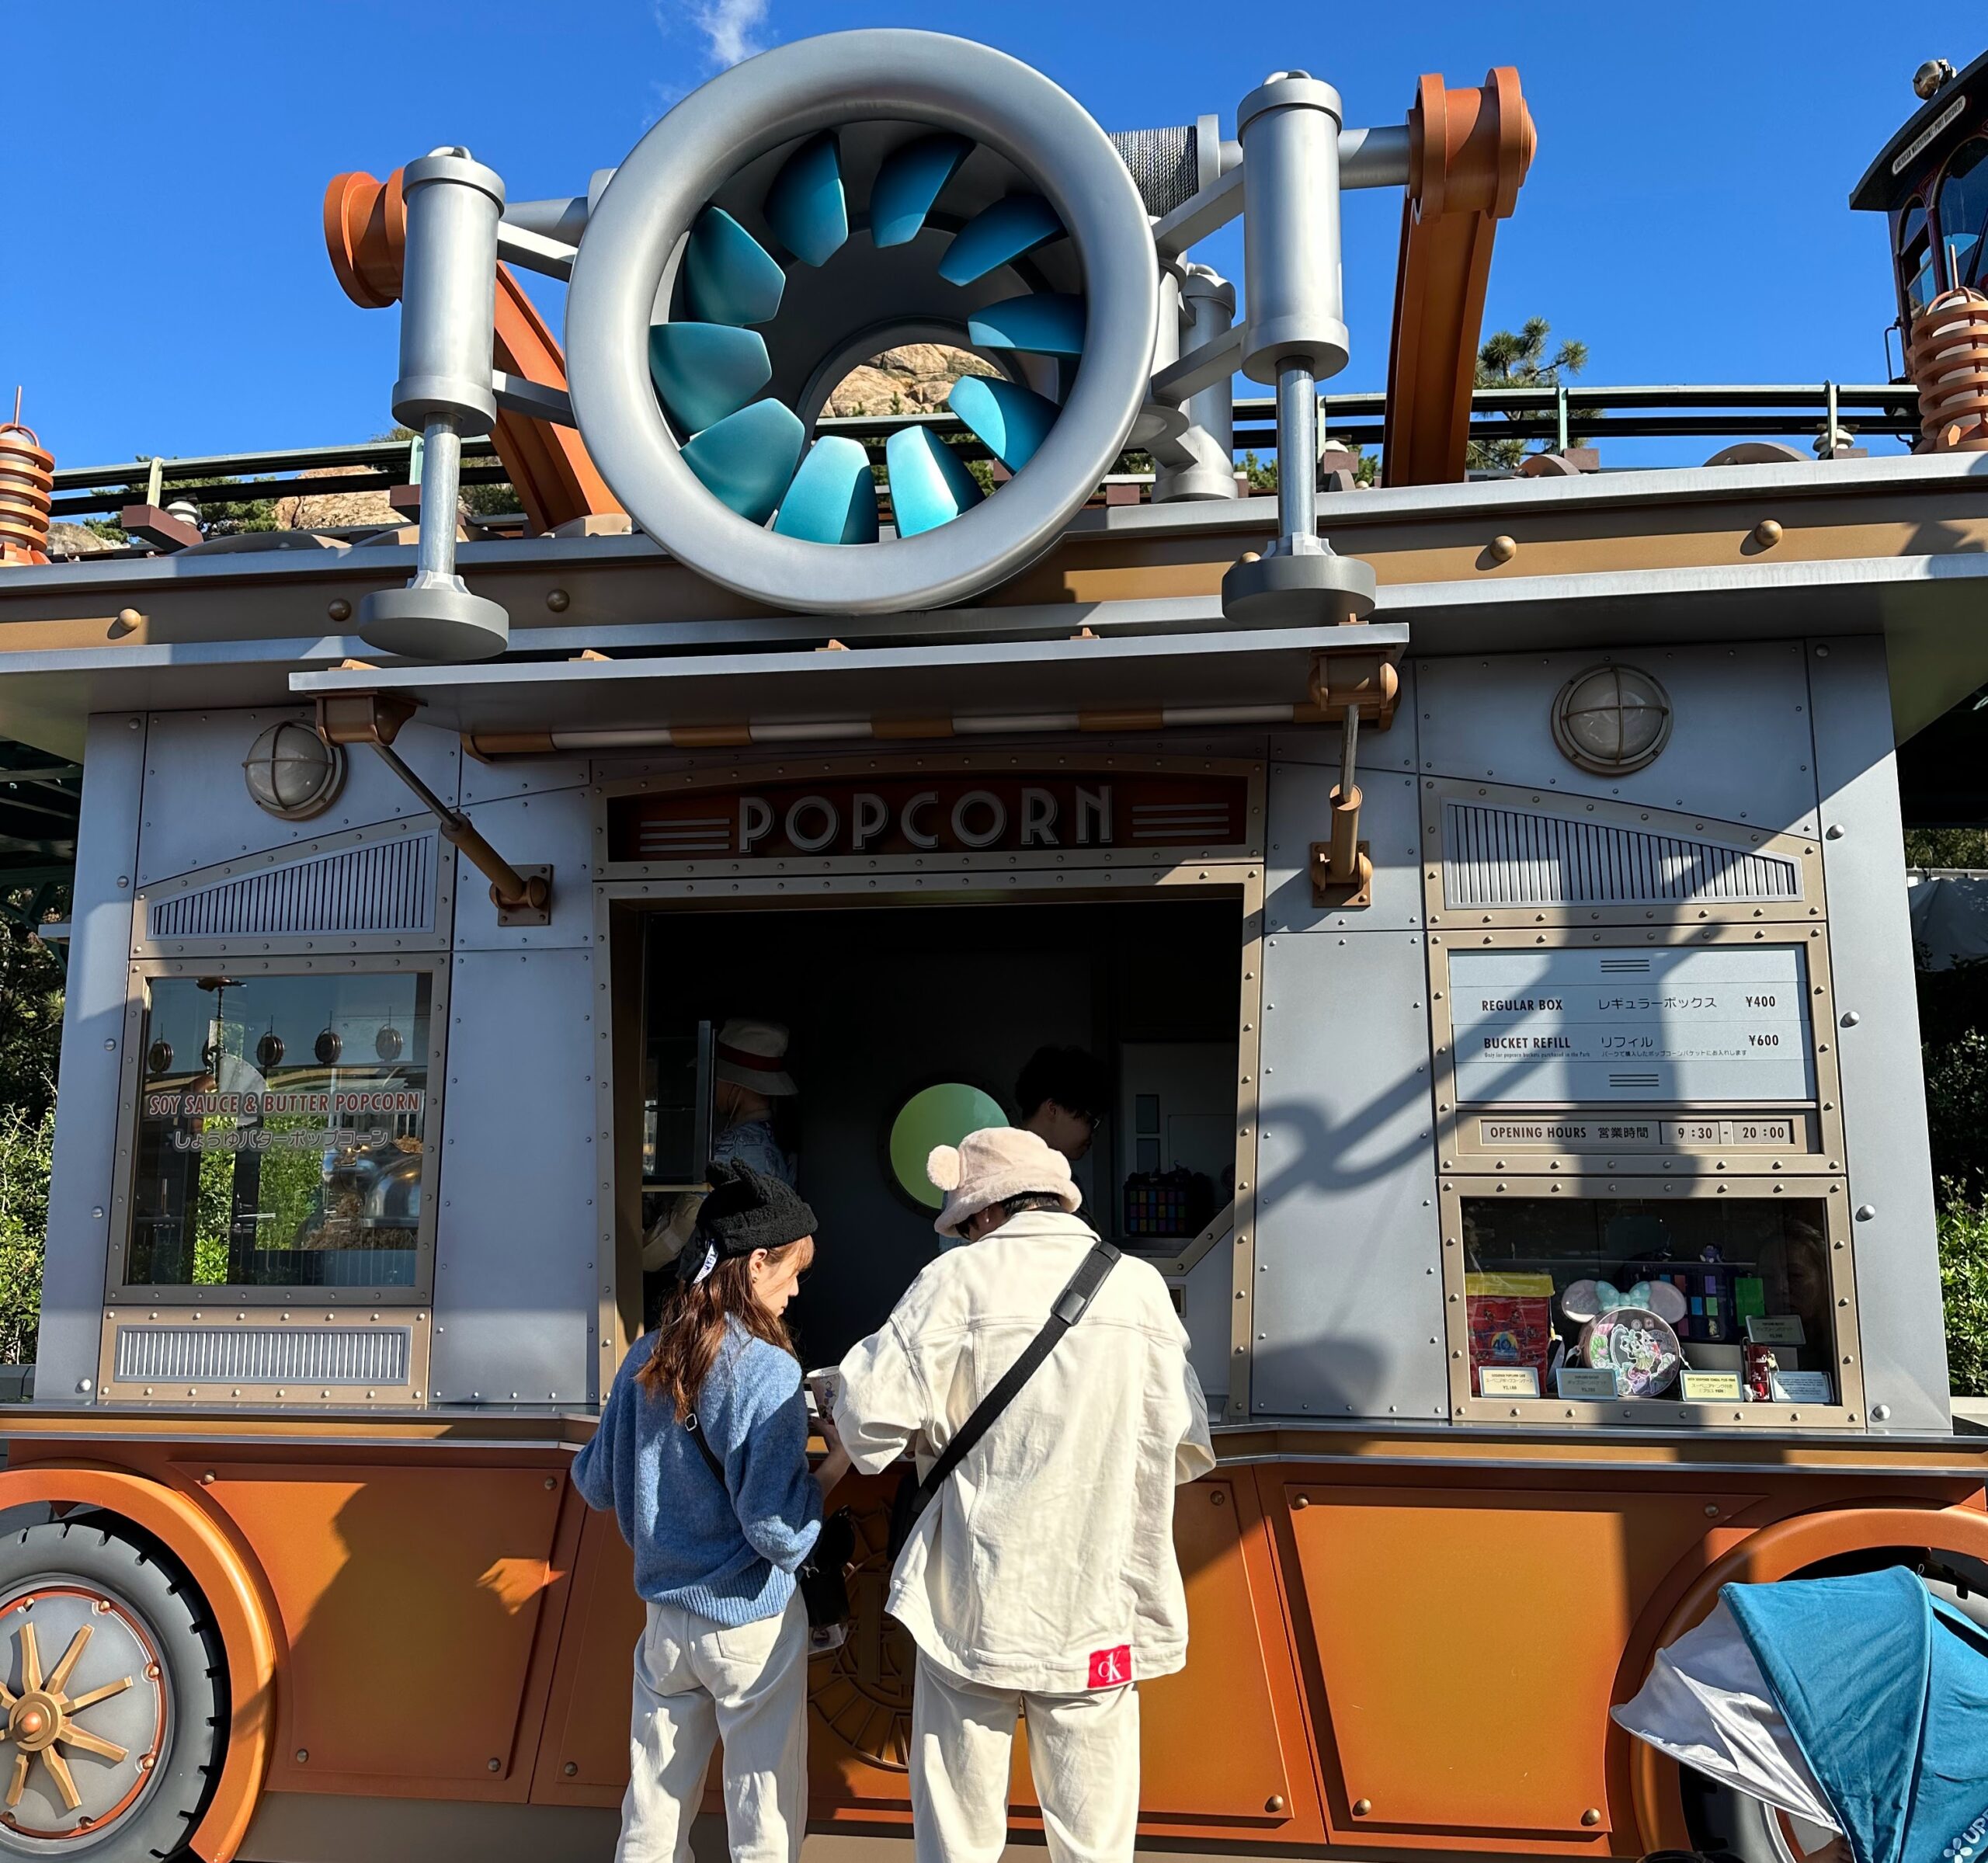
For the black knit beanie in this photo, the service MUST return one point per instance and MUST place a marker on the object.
(746, 1210)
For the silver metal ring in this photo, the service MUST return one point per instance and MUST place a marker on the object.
(797, 90)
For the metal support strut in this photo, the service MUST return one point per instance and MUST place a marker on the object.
(521, 898)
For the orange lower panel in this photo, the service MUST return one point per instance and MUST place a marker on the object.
(409, 1601)
(1256, 1775)
(1431, 1641)
(1470, 1644)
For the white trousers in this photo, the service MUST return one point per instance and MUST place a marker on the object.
(1083, 1753)
(697, 1682)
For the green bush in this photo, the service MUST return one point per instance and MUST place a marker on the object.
(1964, 1287)
(27, 1143)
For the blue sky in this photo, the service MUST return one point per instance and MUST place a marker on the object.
(165, 286)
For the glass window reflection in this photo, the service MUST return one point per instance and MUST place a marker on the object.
(282, 1133)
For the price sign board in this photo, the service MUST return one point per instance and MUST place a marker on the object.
(1603, 1026)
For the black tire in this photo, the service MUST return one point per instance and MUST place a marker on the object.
(100, 1555)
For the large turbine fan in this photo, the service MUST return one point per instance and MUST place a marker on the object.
(801, 213)
(714, 373)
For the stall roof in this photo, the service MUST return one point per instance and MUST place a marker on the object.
(1898, 546)
(988, 678)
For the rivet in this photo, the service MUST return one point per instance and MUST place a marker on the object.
(1592, 1817)
(303, 1757)
(1303, 1500)
(496, 1766)
(557, 599)
(1767, 534)
(1362, 1806)
(340, 610)
(1274, 1802)
(1501, 549)
(570, 1769)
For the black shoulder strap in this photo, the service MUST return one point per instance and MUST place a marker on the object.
(706, 1450)
(1068, 1309)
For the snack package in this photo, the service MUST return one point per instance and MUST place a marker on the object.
(1511, 1322)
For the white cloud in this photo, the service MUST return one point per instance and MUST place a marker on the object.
(731, 28)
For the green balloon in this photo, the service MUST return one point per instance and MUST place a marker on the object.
(934, 1116)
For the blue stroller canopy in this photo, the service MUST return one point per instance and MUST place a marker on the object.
(1885, 1690)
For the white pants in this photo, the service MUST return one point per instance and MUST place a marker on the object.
(697, 1682)
(1083, 1752)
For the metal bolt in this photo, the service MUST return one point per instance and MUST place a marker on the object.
(570, 1769)
(303, 1757)
(1592, 1817)
(1362, 1806)
(340, 610)
(1274, 1802)
(496, 1765)
(557, 599)
(1303, 1500)
(1501, 549)
(1767, 534)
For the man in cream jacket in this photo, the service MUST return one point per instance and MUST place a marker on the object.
(1040, 1582)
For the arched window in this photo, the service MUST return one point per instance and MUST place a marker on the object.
(1963, 207)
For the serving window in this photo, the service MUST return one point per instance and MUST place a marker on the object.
(282, 1135)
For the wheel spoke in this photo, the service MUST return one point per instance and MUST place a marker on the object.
(84, 1741)
(30, 1659)
(96, 1695)
(65, 1782)
(58, 1677)
(18, 1783)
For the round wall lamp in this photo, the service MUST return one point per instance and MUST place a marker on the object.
(1611, 719)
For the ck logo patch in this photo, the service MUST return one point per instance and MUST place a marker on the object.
(1110, 1668)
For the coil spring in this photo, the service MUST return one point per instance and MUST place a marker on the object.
(1948, 359)
(27, 483)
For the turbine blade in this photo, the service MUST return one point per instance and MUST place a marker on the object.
(730, 277)
(1043, 323)
(747, 460)
(704, 371)
(805, 207)
(833, 497)
(1011, 419)
(1002, 233)
(909, 181)
(929, 483)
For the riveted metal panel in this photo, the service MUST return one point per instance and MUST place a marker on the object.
(1348, 1306)
(1894, 1247)
(484, 781)
(94, 1033)
(198, 812)
(1300, 813)
(1740, 745)
(515, 1279)
(554, 830)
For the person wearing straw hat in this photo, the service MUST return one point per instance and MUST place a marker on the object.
(1041, 1382)
(749, 1074)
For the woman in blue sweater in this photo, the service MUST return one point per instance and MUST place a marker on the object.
(719, 1527)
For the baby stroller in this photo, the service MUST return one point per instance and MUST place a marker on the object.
(1857, 1705)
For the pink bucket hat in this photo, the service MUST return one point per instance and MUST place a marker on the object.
(989, 1166)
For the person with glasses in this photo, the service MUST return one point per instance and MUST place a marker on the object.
(1060, 1096)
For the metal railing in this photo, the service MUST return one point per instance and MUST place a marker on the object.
(1562, 416)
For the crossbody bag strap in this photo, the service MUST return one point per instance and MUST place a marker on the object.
(707, 1451)
(1069, 1308)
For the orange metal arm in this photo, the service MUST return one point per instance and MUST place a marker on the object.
(366, 234)
(1469, 151)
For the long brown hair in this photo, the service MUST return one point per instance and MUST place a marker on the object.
(695, 1323)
